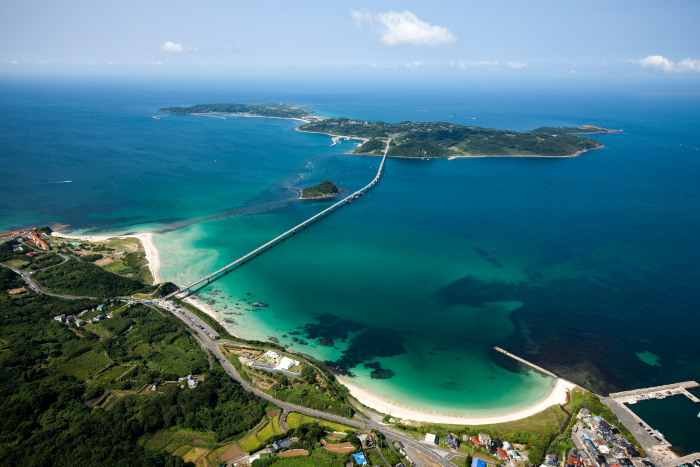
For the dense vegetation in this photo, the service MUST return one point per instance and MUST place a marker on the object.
(86, 279)
(372, 146)
(262, 110)
(439, 139)
(54, 373)
(325, 189)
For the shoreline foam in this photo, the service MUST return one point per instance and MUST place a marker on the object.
(558, 395)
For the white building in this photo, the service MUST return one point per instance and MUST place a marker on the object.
(286, 363)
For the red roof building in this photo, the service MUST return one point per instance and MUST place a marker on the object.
(476, 441)
(502, 454)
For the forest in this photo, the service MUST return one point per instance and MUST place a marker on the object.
(81, 396)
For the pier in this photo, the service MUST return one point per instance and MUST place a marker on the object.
(190, 288)
(657, 392)
(522, 360)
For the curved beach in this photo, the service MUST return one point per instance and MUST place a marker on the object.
(558, 395)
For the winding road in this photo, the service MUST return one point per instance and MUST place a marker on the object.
(365, 419)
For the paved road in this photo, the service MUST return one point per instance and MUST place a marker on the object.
(373, 421)
(34, 285)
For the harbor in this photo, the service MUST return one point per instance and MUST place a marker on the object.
(663, 424)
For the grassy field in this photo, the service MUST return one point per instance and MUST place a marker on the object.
(295, 420)
(87, 365)
(308, 396)
(15, 263)
(318, 458)
(113, 373)
(258, 437)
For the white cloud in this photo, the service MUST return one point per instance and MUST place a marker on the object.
(170, 46)
(688, 65)
(405, 28)
(415, 64)
(14, 62)
(661, 63)
(517, 65)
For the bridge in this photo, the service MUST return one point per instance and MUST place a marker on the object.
(203, 282)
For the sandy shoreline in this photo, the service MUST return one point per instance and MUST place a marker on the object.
(146, 239)
(558, 395)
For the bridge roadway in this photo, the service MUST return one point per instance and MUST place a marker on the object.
(244, 259)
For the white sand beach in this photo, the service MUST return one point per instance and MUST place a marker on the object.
(558, 395)
(146, 239)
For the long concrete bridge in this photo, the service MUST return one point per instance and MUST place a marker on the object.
(196, 285)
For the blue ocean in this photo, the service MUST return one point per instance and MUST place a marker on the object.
(587, 266)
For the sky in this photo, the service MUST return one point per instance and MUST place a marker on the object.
(351, 37)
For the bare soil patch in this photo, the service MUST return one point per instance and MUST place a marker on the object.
(294, 453)
(233, 452)
(340, 448)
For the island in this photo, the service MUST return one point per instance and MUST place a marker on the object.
(449, 140)
(326, 189)
(424, 140)
(244, 110)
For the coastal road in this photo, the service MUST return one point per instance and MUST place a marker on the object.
(209, 345)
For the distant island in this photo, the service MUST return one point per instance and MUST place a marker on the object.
(244, 110)
(325, 189)
(423, 139)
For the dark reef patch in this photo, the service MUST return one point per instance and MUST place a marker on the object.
(379, 372)
(330, 328)
(571, 326)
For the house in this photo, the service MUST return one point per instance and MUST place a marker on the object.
(485, 439)
(574, 461)
(552, 460)
(502, 453)
(515, 455)
(506, 445)
(452, 441)
(366, 440)
(60, 318)
(191, 381)
(431, 438)
(360, 458)
(476, 441)
(281, 444)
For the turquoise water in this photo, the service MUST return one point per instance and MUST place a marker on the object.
(581, 265)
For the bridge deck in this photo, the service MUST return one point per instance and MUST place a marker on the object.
(233, 265)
